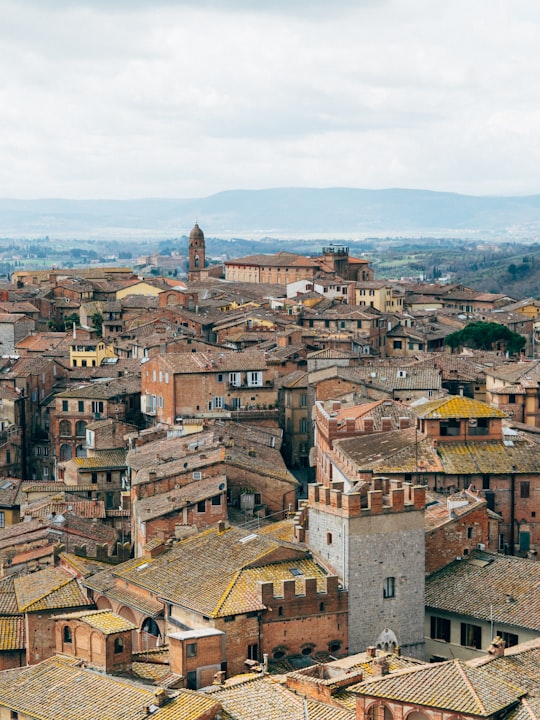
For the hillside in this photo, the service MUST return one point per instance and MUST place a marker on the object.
(280, 212)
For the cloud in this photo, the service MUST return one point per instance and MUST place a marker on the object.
(129, 98)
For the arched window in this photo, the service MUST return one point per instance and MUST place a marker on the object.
(68, 637)
(65, 428)
(80, 428)
(118, 645)
(66, 452)
(150, 626)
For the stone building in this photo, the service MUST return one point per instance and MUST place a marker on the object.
(373, 537)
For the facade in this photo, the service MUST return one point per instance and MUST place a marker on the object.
(178, 384)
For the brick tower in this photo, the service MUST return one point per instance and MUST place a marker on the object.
(197, 253)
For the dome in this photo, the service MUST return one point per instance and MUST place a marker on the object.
(196, 234)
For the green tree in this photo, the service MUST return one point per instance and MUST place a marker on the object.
(97, 322)
(487, 336)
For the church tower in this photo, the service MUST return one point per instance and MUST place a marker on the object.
(197, 252)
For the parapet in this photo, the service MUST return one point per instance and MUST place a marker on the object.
(386, 496)
(272, 594)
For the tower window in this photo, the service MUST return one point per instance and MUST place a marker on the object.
(389, 587)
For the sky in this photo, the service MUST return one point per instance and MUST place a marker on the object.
(182, 99)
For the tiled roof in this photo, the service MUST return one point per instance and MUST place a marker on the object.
(84, 567)
(104, 459)
(60, 689)
(104, 583)
(452, 686)
(489, 457)
(242, 597)
(48, 590)
(8, 600)
(213, 362)
(488, 586)
(519, 665)
(106, 621)
(12, 633)
(528, 709)
(457, 407)
(212, 560)
(265, 699)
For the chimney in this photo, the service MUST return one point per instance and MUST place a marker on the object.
(496, 649)
(371, 651)
(380, 667)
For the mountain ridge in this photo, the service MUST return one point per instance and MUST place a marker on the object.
(281, 212)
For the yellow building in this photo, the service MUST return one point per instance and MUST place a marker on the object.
(378, 295)
(87, 350)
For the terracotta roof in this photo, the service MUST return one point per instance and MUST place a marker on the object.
(12, 633)
(519, 664)
(106, 621)
(213, 561)
(213, 362)
(8, 600)
(488, 586)
(61, 689)
(48, 589)
(457, 407)
(451, 686)
(266, 699)
(103, 459)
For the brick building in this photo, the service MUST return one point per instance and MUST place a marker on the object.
(178, 384)
(267, 596)
(284, 267)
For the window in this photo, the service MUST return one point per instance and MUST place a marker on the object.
(511, 399)
(2, 519)
(217, 403)
(65, 405)
(216, 500)
(280, 611)
(94, 478)
(97, 406)
(67, 634)
(524, 489)
(451, 427)
(253, 651)
(485, 482)
(389, 587)
(255, 378)
(303, 400)
(65, 428)
(509, 638)
(440, 628)
(235, 379)
(219, 377)
(303, 425)
(108, 476)
(191, 650)
(80, 405)
(329, 538)
(80, 428)
(469, 533)
(201, 506)
(398, 344)
(471, 636)
(191, 680)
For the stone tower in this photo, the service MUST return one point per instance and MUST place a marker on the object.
(197, 253)
(374, 538)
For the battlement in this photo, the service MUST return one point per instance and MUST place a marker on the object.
(384, 496)
(278, 595)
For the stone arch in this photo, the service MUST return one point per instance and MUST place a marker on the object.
(387, 641)
(172, 299)
(379, 711)
(103, 603)
(128, 614)
(66, 452)
(80, 451)
(417, 715)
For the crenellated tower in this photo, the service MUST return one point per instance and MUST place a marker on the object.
(372, 534)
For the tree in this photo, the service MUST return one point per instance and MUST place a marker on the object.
(97, 322)
(487, 336)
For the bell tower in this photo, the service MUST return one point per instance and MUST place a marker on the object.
(197, 252)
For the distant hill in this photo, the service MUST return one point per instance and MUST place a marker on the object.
(279, 212)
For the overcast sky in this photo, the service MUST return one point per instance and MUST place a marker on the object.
(180, 98)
